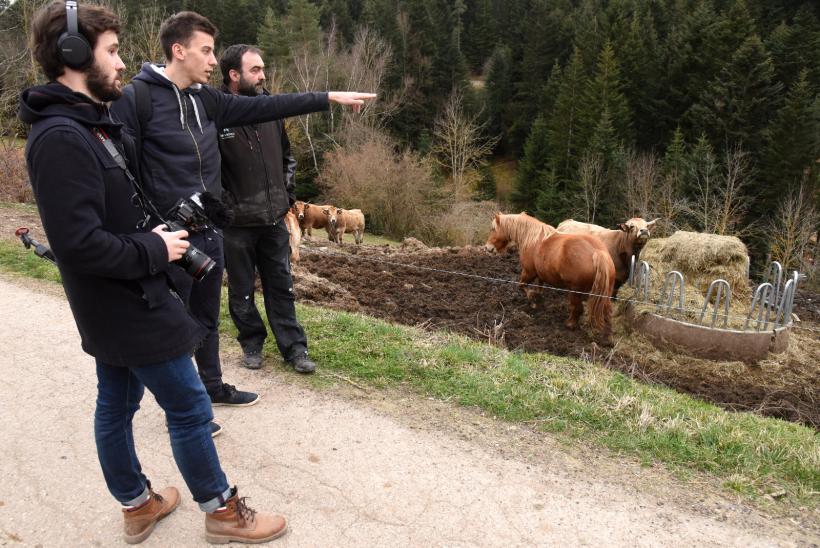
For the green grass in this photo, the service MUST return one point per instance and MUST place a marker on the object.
(374, 239)
(748, 454)
(17, 259)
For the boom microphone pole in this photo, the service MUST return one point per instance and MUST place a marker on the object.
(40, 250)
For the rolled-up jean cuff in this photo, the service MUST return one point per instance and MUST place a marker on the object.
(215, 503)
(138, 500)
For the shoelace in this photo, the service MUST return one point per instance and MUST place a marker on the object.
(245, 512)
(157, 497)
(228, 389)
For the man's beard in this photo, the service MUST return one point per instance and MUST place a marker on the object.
(248, 89)
(99, 85)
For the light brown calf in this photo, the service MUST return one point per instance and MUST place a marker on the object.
(295, 237)
(310, 216)
(341, 220)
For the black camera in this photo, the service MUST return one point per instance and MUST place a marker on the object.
(189, 214)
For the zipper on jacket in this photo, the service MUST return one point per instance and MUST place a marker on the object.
(267, 177)
(196, 146)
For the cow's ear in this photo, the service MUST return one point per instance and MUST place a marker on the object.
(326, 212)
(307, 205)
(338, 211)
(623, 226)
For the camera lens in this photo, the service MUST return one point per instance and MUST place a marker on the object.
(196, 263)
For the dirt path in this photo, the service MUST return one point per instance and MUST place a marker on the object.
(380, 470)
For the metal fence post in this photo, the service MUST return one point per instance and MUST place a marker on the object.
(719, 284)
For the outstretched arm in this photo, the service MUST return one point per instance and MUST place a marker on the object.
(352, 98)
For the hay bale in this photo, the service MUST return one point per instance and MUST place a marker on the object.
(701, 258)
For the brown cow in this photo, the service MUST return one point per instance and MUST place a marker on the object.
(295, 233)
(310, 216)
(344, 220)
(621, 244)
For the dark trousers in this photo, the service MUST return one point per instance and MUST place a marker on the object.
(266, 249)
(203, 299)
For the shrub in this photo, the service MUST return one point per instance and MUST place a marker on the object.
(395, 190)
(463, 223)
(14, 185)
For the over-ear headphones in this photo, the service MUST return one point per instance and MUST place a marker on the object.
(73, 48)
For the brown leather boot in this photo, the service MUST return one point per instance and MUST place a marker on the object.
(140, 521)
(238, 523)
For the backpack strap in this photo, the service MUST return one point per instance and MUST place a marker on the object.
(209, 103)
(145, 111)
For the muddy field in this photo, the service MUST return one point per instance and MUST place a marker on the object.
(373, 280)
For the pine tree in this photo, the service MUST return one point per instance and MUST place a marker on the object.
(564, 132)
(639, 55)
(486, 187)
(794, 145)
(448, 67)
(337, 12)
(795, 47)
(589, 32)
(531, 167)
(546, 36)
(603, 94)
(688, 67)
(674, 159)
(499, 90)
(302, 25)
(480, 33)
(272, 39)
(606, 145)
(736, 107)
(729, 31)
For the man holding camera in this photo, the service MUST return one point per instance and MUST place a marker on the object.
(258, 173)
(115, 274)
(180, 155)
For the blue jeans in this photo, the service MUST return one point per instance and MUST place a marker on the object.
(179, 391)
(203, 299)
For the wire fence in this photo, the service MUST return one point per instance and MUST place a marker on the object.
(490, 279)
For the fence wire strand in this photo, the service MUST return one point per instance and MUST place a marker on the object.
(319, 251)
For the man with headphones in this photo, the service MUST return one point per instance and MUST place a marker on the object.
(115, 274)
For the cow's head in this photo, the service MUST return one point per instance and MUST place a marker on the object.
(299, 209)
(332, 215)
(638, 228)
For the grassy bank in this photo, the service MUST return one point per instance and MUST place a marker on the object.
(17, 259)
(572, 398)
(751, 455)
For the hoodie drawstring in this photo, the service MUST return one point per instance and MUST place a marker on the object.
(179, 103)
(196, 114)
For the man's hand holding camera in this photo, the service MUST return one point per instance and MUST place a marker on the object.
(174, 241)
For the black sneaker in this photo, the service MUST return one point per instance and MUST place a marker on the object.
(215, 429)
(302, 364)
(229, 395)
(252, 360)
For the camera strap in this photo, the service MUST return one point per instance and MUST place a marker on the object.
(139, 198)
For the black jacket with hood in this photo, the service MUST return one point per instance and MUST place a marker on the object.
(180, 151)
(258, 172)
(113, 273)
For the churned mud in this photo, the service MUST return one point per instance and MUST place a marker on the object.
(416, 285)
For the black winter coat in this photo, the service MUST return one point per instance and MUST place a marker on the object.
(258, 172)
(180, 153)
(113, 273)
